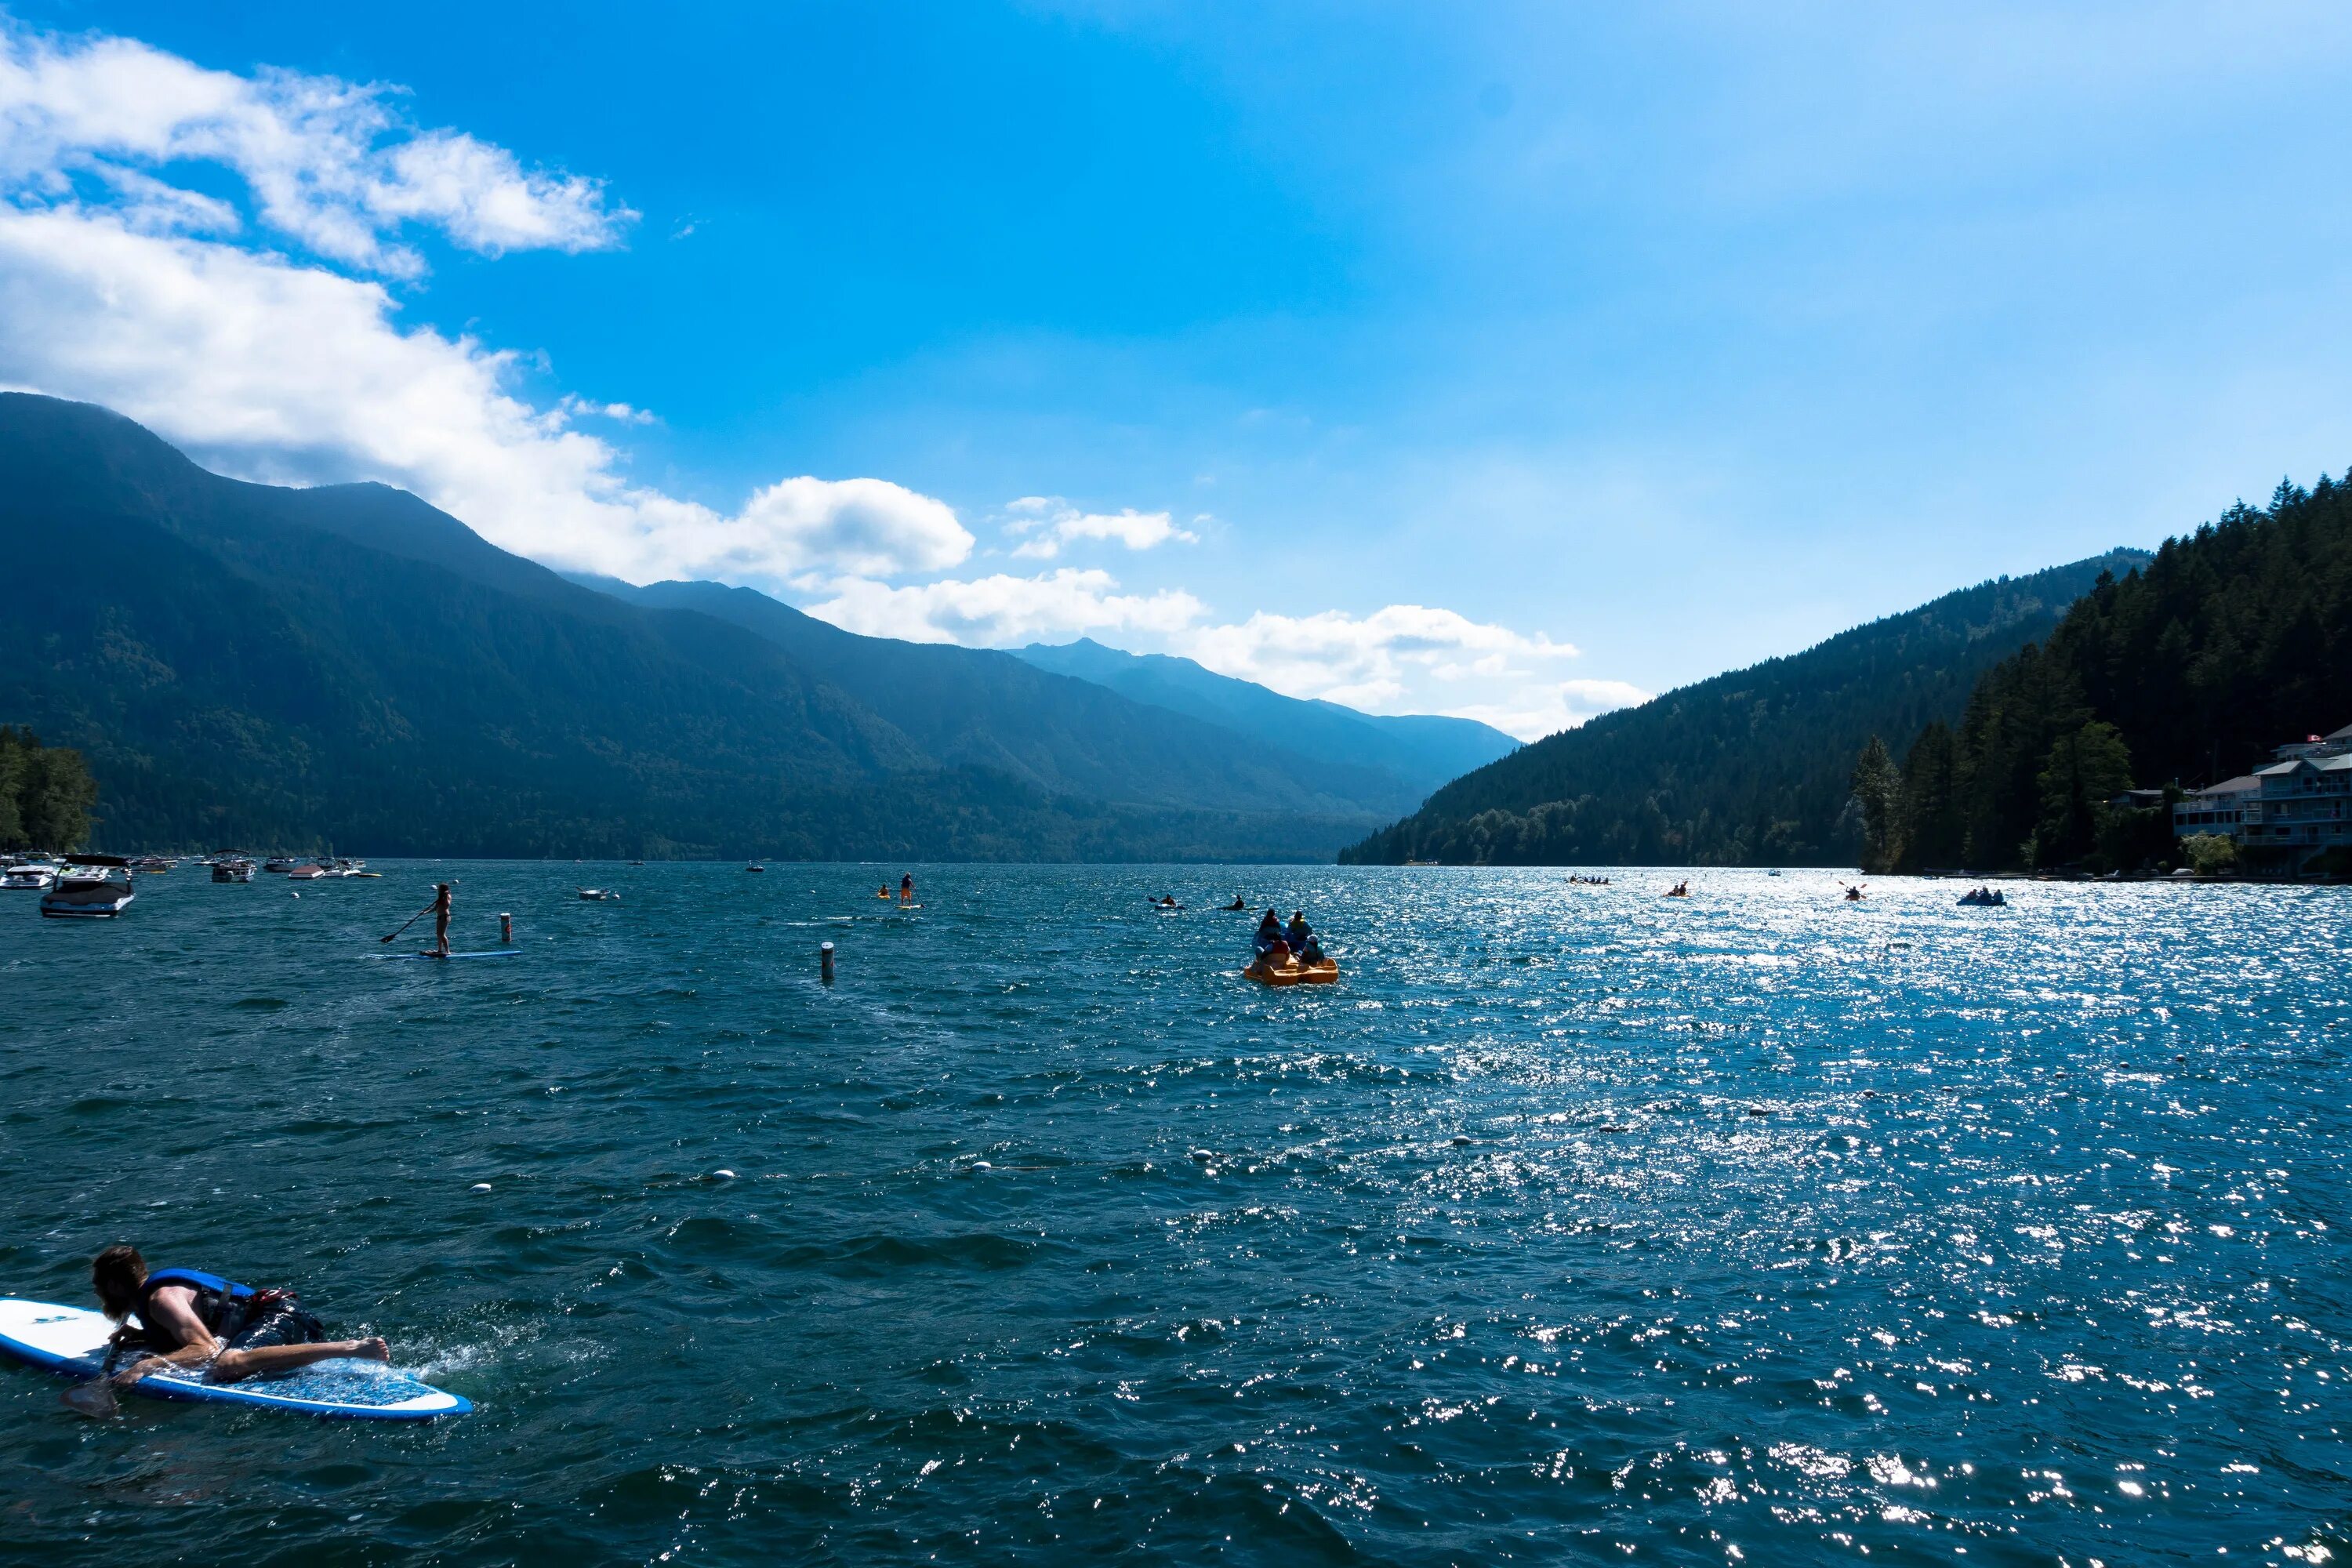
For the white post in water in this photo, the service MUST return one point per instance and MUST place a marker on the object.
(505, 929)
(825, 962)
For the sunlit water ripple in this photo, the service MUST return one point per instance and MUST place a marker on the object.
(1574, 1224)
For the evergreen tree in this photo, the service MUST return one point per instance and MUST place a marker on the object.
(1877, 790)
(46, 794)
(1934, 833)
(2085, 771)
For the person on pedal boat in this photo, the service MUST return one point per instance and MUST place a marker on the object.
(190, 1319)
(1299, 930)
(1269, 937)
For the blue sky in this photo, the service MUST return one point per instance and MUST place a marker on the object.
(1510, 360)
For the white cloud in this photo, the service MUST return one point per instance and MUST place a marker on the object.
(1546, 710)
(1409, 658)
(327, 161)
(1004, 611)
(292, 373)
(1332, 653)
(1052, 522)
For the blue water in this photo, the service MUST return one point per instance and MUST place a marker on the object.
(1573, 1224)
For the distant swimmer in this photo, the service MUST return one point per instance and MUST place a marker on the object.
(190, 1318)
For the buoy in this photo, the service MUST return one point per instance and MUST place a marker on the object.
(1203, 1154)
(480, 1187)
(722, 1175)
(296, 895)
(1460, 1142)
(981, 1166)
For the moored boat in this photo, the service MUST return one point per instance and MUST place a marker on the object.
(28, 875)
(280, 864)
(232, 869)
(89, 887)
(310, 873)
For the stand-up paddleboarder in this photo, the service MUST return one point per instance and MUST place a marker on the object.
(441, 920)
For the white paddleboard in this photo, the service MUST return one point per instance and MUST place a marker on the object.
(71, 1343)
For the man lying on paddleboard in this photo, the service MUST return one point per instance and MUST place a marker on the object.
(190, 1319)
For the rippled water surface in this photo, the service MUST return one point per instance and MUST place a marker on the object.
(1574, 1224)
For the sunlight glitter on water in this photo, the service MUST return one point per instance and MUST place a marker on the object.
(1570, 1220)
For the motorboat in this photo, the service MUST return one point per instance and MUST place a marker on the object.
(343, 865)
(28, 875)
(280, 864)
(89, 887)
(601, 895)
(151, 865)
(232, 869)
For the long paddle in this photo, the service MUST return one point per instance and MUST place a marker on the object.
(415, 918)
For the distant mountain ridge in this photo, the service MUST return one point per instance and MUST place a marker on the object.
(1747, 768)
(255, 666)
(1423, 750)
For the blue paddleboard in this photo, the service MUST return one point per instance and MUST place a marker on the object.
(492, 952)
(71, 1343)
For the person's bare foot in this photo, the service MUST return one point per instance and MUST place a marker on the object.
(370, 1350)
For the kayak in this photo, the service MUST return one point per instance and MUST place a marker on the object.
(1292, 972)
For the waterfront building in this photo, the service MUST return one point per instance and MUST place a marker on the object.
(2289, 810)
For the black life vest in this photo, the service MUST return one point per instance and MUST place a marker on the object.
(216, 1301)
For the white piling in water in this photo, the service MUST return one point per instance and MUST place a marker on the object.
(825, 962)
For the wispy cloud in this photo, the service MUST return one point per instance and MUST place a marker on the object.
(1002, 610)
(1045, 524)
(330, 163)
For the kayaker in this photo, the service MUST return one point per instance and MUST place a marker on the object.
(188, 1318)
(1238, 903)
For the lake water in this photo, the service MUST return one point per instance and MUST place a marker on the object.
(1574, 1224)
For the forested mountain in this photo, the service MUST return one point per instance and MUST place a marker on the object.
(2187, 670)
(1749, 768)
(1420, 750)
(977, 707)
(248, 665)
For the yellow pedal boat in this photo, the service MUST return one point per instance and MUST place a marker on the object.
(1290, 972)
